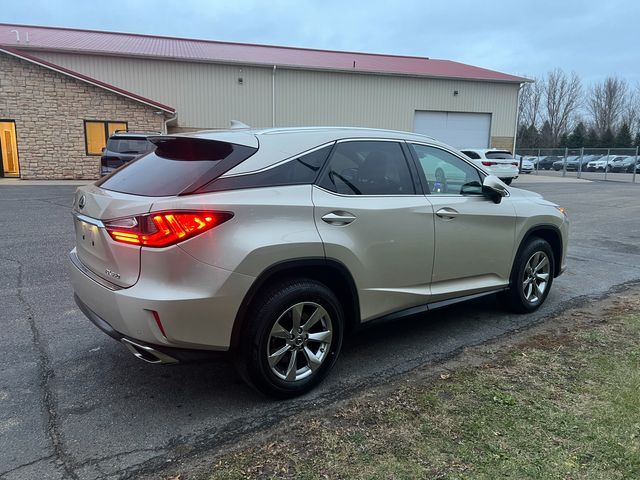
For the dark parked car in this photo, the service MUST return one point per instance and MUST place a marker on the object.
(122, 147)
(546, 163)
(558, 164)
(573, 163)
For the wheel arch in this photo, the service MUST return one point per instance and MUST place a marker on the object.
(551, 234)
(331, 273)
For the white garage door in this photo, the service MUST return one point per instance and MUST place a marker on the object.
(457, 129)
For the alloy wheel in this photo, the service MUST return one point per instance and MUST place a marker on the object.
(299, 341)
(536, 276)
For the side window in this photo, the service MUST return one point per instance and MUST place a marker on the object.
(298, 171)
(471, 154)
(368, 168)
(447, 174)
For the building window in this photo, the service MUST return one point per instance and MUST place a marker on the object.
(97, 132)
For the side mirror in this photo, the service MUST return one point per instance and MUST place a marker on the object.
(493, 188)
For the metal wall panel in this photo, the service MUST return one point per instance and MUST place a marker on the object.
(210, 95)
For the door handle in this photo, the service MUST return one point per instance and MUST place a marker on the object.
(338, 218)
(447, 213)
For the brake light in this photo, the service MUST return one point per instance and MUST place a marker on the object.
(161, 229)
(486, 163)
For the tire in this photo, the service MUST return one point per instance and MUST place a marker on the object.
(522, 296)
(261, 338)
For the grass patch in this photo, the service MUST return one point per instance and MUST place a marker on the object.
(551, 407)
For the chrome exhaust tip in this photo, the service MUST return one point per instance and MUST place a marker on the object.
(148, 354)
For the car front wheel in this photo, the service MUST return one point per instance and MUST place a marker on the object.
(531, 277)
(292, 338)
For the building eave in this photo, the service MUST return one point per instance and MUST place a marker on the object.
(86, 79)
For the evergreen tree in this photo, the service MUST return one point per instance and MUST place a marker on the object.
(546, 136)
(623, 138)
(564, 140)
(534, 135)
(593, 140)
(578, 137)
(527, 137)
(607, 139)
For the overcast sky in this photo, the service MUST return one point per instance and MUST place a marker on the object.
(531, 37)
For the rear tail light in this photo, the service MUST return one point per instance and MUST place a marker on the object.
(488, 164)
(161, 229)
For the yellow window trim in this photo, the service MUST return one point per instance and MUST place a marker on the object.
(97, 132)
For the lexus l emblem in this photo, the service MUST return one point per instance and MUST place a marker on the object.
(81, 202)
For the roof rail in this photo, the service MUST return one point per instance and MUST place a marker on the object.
(145, 132)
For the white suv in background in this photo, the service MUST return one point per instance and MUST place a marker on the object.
(497, 162)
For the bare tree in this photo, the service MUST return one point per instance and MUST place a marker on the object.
(631, 110)
(607, 102)
(530, 102)
(562, 99)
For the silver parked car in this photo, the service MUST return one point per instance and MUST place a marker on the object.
(273, 244)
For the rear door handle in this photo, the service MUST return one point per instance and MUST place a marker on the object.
(447, 213)
(338, 218)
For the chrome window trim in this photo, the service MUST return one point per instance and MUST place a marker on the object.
(367, 139)
(452, 152)
(413, 195)
(466, 160)
(281, 162)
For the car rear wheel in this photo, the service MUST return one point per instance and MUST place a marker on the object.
(531, 277)
(507, 180)
(292, 338)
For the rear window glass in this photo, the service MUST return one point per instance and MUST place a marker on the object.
(471, 154)
(177, 166)
(129, 145)
(499, 155)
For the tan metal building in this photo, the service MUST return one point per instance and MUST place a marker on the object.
(207, 84)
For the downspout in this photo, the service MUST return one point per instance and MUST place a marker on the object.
(171, 120)
(273, 97)
(515, 134)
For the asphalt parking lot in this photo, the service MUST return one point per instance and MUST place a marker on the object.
(76, 404)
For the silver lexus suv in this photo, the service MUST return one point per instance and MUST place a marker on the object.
(273, 244)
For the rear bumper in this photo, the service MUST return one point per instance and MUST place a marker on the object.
(144, 351)
(195, 303)
(502, 172)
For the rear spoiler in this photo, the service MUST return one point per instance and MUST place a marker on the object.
(226, 156)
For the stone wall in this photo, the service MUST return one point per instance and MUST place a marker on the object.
(503, 143)
(49, 109)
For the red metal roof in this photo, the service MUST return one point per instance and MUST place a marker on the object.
(136, 45)
(87, 79)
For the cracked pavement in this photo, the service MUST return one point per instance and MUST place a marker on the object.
(74, 404)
